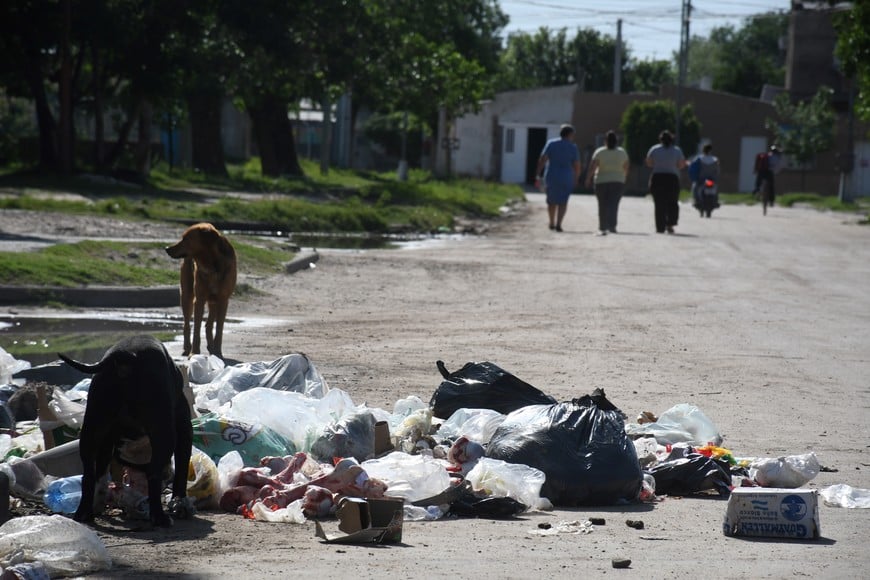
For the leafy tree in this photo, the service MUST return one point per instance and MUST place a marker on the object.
(643, 121)
(647, 76)
(741, 60)
(805, 128)
(853, 50)
(421, 56)
(29, 31)
(548, 58)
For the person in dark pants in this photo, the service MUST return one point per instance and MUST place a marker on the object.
(666, 161)
(609, 169)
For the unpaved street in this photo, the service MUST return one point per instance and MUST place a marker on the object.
(762, 322)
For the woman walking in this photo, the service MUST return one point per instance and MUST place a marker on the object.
(562, 161)
(666, 161)
(609, 169)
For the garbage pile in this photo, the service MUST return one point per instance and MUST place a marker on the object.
(273, 442)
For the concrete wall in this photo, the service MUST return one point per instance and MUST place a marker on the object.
(481, 135)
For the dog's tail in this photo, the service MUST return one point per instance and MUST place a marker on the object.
(116, 358)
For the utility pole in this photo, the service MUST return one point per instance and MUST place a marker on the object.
(617, 59)
(684, 61)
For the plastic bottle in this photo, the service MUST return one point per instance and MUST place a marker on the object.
(63, 495)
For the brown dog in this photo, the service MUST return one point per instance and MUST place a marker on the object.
(208, 276)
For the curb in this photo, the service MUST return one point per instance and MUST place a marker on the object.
(302, 263)
(116, 296)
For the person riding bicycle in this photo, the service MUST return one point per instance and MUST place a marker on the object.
(767, 164)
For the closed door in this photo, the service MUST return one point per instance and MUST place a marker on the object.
(749, 148)
(860, 185)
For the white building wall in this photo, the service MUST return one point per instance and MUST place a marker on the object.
(479, 133)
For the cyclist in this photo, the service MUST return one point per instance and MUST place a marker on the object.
(767, 164)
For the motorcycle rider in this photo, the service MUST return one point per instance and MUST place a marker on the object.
(707, 168)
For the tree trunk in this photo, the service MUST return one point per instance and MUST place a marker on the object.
(274, 134)
(48, 158)
(143, 147)
(99, 127)
(123, 134)
(205, 128)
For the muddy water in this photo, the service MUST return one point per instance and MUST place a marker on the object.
(84, 337)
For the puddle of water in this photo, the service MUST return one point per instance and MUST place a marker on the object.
(37, 340)
(354, 241)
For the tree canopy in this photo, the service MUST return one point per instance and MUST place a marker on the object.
(741, 60)
(853, 50)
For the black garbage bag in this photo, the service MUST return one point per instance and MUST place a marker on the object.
(691, 474)
(580, 445)
(353, 436)
(483, 386)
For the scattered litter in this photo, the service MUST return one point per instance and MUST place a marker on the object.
(842, 495)
(636, 524)
(65, 547)
(620, 562)
(682, 423)
(572, 527)
(792, 471)
(597, 521)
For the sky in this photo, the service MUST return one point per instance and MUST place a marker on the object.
(650, 28)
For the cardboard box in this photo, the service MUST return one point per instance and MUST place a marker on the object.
(772, 512)
(383, 443)
(366, 520)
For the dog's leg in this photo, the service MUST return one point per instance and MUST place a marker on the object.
(162, 444)
(198, 311)
(187, 300)
(220, 316)
(95, 450)
(209, 329)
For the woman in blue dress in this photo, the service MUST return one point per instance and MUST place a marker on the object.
(561, 159)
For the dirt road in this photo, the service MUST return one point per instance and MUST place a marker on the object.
(762, 322)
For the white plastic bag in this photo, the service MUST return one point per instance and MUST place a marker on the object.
(67, 411)
(64, 546)
(9, 366)
(476, 424)
(203, 368)
(790, 472)
(682, 423)
(842, 495)
(411, 477)
(292, 514)
(228, 468)
(295, 416)
(501, 479)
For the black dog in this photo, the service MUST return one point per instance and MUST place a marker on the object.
(136, 390)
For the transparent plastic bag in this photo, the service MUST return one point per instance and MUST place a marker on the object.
(476, 424)
(411, 477)
(790, 472)
(203, 368)
(515, 480)
(682, 423)
(69, 412)
(9, 366)
(202, 481)
(64, 546)
(292, 514)
(842, 495)
(294, 415)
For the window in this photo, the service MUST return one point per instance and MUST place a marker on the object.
(509, 138)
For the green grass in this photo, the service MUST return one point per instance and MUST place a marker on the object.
(340, 201)
(118, 264)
